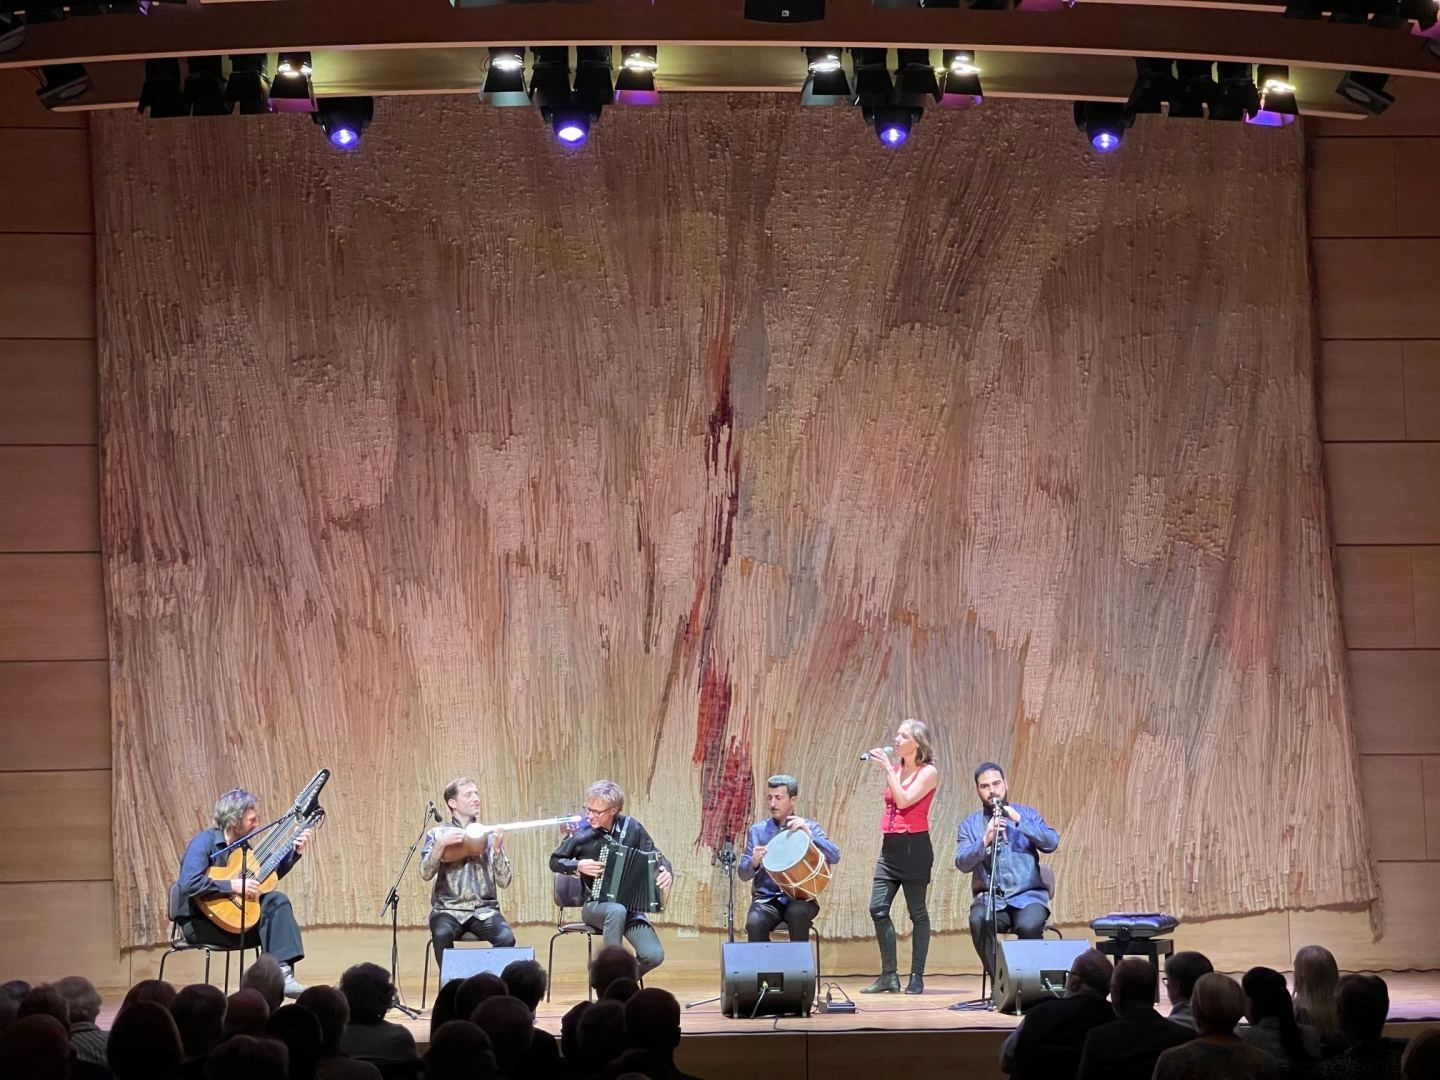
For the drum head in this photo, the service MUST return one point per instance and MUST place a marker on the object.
(787, 849)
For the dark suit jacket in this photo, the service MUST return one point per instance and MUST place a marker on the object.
(1127, 1049)
(1050, 1040)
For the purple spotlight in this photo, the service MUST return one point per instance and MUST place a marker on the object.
(344, 137)
(1105, 141)
(893, 134)
(570, 132)
(1270, 118)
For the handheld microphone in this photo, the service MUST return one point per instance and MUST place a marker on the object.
(433, 812)
(888, 751)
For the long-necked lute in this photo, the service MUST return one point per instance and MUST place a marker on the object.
(262, 864)
(474, 838)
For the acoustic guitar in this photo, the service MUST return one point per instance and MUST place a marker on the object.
(231, 912)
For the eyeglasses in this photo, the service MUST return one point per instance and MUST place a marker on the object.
(600, 811)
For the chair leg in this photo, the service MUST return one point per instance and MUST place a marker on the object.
(589, 961)
(227, 972)
(425, 979)
(162, 963)
(207, 967)
(550, 966)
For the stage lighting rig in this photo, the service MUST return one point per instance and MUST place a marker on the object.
(1194, 89)
(594, 82)
(1155, 85)
(505, 77)
(161, 95)
(825, 81)
(785, 11)
(205, 85)
(292, 90)
(1366, 89)
(1235, 94)
(1380, 14)
(961, 87)
(1277, 97)
(12, 31)
(249, 83)
(344, 119)
(1103, 123)
(60, 83)
(635, 84)
(567, 115)
(915, 80)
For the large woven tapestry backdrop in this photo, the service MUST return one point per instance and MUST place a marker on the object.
(713, 450)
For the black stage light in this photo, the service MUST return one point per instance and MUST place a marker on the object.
(594, 87)
(293, 89)
(12, 31)
(825, 81)
(1424, 12)
(873, 87)
(505, 77)
(892, 123)
(43, 11)
(1366, 89)
(344, 119)
(915, 79)
(249, 83)
(1154, 84)
(785, 11)
(112, 7)
(205, 86)
(1103, 123)
(550, 76)
(1235, 97)
(635, 82)
(962, 79)
(161, 95)
(1194, 89)
(60, 83)
(1277, 96)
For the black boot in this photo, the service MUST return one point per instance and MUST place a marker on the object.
(916, 985)
(887, 983)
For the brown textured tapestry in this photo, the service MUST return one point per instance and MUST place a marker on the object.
(711, 450)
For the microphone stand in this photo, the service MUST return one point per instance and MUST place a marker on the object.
(244, 845)
(727, 859)
(986, 1001)
(392, 902)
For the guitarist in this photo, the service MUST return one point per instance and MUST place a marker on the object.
(237, 813)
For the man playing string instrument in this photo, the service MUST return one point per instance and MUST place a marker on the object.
(769, 905)
(237, 814)
(463, 896)
(580, 854)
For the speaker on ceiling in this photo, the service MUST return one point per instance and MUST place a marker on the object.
(785, 11)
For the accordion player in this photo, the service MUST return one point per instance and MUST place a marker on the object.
(628, 878)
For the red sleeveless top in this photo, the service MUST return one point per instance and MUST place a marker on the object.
(914, 818)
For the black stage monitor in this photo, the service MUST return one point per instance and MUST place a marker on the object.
(767, 979)
(1029, 971)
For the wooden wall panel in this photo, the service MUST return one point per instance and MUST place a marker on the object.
(1384, 493)
(1416, 112)
(1417, 178)
(48, 931)
(1352, 187)
(704, 479)
(1375, 289)
(52, 498)
(1362, 389)
(1397, 700)
(1394, 795)
(1430, 778)
(51, 608)
(1422, 389)
(1425, 573)
(1406, 923)
(45, 182)
(47, 392)
(55, 715)
(1377, 596)
(47, 286)
(20, 109)
(34, 846)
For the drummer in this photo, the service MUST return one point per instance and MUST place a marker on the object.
(463, 896)
(769, 905)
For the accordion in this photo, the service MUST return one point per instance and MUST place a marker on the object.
(628, 878)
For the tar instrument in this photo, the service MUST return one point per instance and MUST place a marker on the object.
(261, 863)
(474, 838)
(796, 865)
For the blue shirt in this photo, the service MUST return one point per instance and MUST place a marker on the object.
(195, 882)
(1020, 882)
(760, 835)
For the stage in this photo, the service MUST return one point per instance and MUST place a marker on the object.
(837, 1044)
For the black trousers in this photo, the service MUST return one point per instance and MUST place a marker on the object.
(446, 928)
(765, 915)
(278, 933)
(1024, 922)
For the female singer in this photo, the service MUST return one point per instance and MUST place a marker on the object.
(905, 853)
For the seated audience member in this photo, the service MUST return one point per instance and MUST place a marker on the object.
(611, 963)
(1316, 976)
(332, 1010)
(635, 1063)
(11, 994)
(85, 1035)
(621, 990)
(1127, 1048)
(476, 989)
(299, 1030)
(1182, 970)
(1270, 1011)
(570, 1030)
(245, 1014)
(652, 1022)
(199, 1012)
(156, 990)
(1421, 1060)
(245, 1057)
(526, 982)
(144, 1044)
(1362, 1002)
(510, 1026)
(460, 1051)
(601, 1034)
(1217, 1053)
(35, 1048)
(446, 1007)
(265, 976)
(368, 1035)
(45, 1000)
(1048, 1042)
